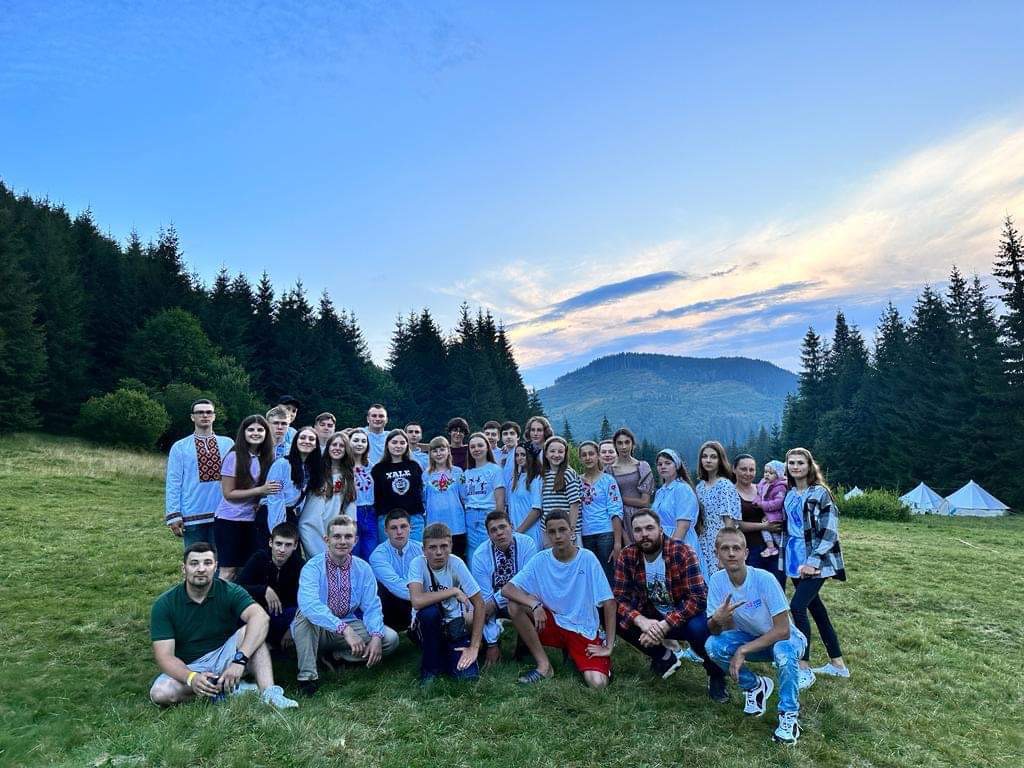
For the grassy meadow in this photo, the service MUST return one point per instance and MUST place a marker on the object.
(926, 620)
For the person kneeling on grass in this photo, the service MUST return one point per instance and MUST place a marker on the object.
(197, 643)
(661, 596)
(391, 561)
(494, 563)
(748, 617)
(553, 601)
(272, 578)
(444, 597)
(339, 609)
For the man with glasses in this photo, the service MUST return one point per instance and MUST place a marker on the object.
(192, 491)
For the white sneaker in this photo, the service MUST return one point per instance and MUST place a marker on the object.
(757, 697)
(805, 679)
(274, 696)
(788, 731)
(689, 655)
(831, 670)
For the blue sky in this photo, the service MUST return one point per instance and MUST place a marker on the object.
(664, 177)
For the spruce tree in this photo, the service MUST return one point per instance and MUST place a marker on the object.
(1009, 272)
(606, 429)
(567, 431)
(536, 406)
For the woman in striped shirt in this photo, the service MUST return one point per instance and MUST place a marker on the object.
(561, 488)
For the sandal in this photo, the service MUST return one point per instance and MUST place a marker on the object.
(531, 677)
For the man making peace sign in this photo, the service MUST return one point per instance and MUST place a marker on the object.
(748, 618)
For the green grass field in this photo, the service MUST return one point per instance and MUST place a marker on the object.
(927, 622)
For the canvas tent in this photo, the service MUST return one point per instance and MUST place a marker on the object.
(974, 501)
(923, 500)
(853, 493)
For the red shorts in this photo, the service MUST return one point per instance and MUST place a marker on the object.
(575, 644)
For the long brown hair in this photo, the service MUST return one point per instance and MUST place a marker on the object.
(548, 431)
(265, 453)
(326, 489)
(488, 457)
(437, 442)
(814, 474)
(531, 470)
(558, 486)
(724, 467)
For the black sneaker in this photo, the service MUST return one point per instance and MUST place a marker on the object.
(716, 689)
(308, 688)
(665, 667)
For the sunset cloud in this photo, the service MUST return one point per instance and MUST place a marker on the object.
(902, 227)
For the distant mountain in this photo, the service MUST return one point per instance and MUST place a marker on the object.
(675, 402)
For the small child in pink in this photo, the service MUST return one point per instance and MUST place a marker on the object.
(771, 492)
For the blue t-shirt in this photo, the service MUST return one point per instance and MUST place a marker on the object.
(761, 596)
(421, 458)
(571, 591)
(521, 500)
(376, 450)
(600, 502)
(481, 483)
(796, 546)
(674, 502)
(444, 494)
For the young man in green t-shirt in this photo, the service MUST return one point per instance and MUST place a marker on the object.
(197, 643)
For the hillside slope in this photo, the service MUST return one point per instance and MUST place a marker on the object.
(671, 401)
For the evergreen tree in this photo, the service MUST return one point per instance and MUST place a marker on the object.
(535, 405)
(260, 336)
(515, 398)
(606, 429)
(22, 350)
(1009, 271)
(567, 431)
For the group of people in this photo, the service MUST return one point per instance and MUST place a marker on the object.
(332, 542)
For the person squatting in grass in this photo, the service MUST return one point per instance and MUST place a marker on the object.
(271, 577)
(445, 597)
(243, 484)
(340, 614)
(661, 596)
(192, 490)
(197, 643)
(391, 561)
(748, 618)
(493, 565)
(554, 601)
(812, 554)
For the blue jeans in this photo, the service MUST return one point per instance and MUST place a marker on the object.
(439, 654)
(785, 653)
(602, 544)
(280, 623)
(196, 533)
(416, 524)
(366, 530)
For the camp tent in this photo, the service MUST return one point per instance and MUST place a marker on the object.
(923, 500)
(974, 501)
(853, 493)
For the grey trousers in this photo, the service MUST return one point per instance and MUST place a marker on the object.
(311, 640)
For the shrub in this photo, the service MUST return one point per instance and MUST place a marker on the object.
(874, 505)
(124, 417)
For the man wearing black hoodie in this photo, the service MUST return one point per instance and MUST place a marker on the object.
(272, 578)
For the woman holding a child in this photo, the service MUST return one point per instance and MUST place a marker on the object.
(760, 509)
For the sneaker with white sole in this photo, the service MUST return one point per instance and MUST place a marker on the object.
(666, 666)
(788, 730)
(804, 679)
(690, 655)
(274, 696)
(831, 670)
(757, 697)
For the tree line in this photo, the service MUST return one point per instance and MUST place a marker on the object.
(939, 398)
(91, 329)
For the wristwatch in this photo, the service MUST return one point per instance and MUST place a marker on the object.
(240, 658)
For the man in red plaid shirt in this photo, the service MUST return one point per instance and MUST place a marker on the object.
(661, 595)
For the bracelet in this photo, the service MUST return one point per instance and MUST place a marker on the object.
(536, 605)
(188, 681)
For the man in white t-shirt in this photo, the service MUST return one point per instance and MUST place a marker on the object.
(554, 601)
(376, 420)
(749, 620)
(448, 611)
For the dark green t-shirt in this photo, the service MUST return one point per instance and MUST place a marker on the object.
(198, 628)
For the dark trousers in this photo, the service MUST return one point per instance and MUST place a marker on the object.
(694, 631)
(806, 599)
(770, 564)
(397, 612)
(279, 624)
(602, 544)
(458, 546)
(440, 656)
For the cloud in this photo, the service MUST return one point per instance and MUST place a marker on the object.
(902, 227)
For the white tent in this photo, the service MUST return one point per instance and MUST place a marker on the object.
(853, 493)
(923, 500)
(974, 501)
